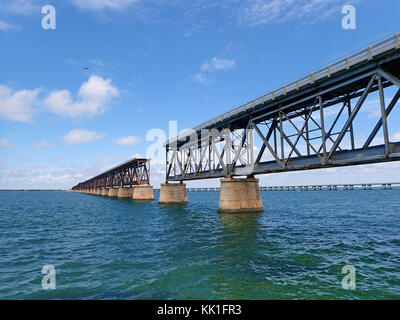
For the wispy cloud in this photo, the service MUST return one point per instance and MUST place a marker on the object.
(395, 137)
(42, 144)
(81, 136)
(199, 77)
(4, 143)
(5, 26)
(129, 141)
(100, 5)
(258, 12)
(24, 7)
(218, 64)
(214, 64)
(373, 107)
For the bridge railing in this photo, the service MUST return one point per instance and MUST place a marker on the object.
(366, 54)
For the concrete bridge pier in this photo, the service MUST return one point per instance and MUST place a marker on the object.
(143, 193)
(125, 192)
(240, 196)
(98, 192)
(173, 194)
(113, 192)
(104, 192)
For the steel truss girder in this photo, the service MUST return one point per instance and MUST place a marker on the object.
(136, 172)
(332, 150)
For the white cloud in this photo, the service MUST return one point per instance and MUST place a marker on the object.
(17, 106)
(373, 107)
(129, 141)
(6, 26)
(99, 5)
(137, 156)
(258, 12)
(81, 136)
(24, 7)
(215, 64)
(92, 98)
(42, 144)
(395, 137)
(218, 64)
(199, 77)
(4, 143)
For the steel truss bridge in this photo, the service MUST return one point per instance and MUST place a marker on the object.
(294, 123)
(130, 173)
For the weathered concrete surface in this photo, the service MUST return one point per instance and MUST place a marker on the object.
(143, 193)
(240, 196)
(98, 192)
(173, 194)
(104, 192)
(125, 192)
(113, 192)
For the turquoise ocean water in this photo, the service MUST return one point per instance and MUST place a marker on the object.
(105, 248)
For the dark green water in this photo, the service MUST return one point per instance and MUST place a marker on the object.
(106, 248)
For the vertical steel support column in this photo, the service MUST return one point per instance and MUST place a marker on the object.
(166, 164)
(209, 154)
(384, 120)
(281, 133)
(307, 131)
(228, 148)
(351, 125)
(323, 135)
(250, 137)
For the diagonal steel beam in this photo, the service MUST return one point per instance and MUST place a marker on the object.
(302, 135)
(351, 118)
(267, 137)
(243, 140)
(283, 135)
(266, 143)
(328, 134)
(217, 153)
(379, 124)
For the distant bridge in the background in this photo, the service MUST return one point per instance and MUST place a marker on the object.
(224, 146)
(130, 179)
(313, 187)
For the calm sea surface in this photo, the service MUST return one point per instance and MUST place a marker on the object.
(106, 248)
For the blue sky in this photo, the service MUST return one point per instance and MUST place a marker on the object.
(152, 61)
